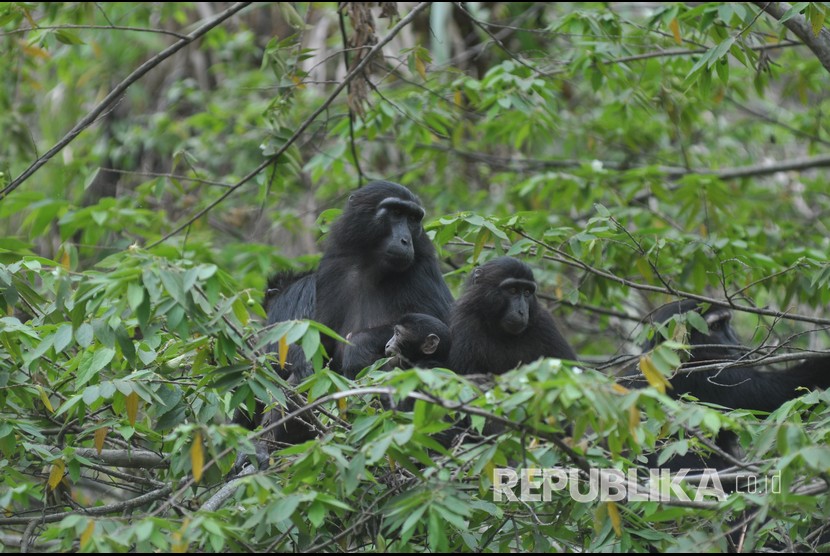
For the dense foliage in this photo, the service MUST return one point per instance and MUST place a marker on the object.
(161, 160)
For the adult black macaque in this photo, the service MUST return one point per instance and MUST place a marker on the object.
(498, 324)
(378, 265)
(736, 387)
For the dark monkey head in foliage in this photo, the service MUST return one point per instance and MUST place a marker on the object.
(498, 323)
(419, 340)
(731, 385)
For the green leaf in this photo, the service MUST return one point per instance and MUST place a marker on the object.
(68, 37)
(84, 335)
(135, 295)
(91, 363)
(62, 337)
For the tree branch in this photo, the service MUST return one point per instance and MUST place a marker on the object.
(116, 93)
(564, 258)
(136, 502)
(798, 24)
(306, 123)
(536, 165)
(134, 459)
(96, 27)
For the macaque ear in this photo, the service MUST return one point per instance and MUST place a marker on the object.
(430, 344)
(476, 274)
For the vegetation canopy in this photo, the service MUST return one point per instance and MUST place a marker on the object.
(162, 160)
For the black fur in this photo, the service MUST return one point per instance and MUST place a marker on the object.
(366, 278)
(419, 340)
(405, 342)
(364, 348)
(378, 264)
(734, 386)
(498, 324)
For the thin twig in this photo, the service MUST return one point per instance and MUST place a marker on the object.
(96, 27)
(116, 93)
(564, 258)
(136, 502)
(306, 123)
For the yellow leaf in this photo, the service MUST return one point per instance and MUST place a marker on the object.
(283, 352)
(65, 260)
(599, 517)
(392, 465)
(620, 389)
(458, 97)
(818, 22)
(633, 419)
(298, 82)
(614, 515)
(100, 436)
(490, 471)
(483, 236)
(653, 376)
(197, 457)
(675, 30)
(45, 399)
(179, 546)
(34, 51)
(420, 67)
(87, 534)
(341, 405)
(56, 474)
(132, 407)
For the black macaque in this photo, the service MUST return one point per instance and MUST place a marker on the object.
(419, 340)
(378, 265)
(415, 340)
(498, 324)
(736, 387)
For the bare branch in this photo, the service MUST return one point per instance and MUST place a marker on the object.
(358, 69)
(116, 93)
(535, 165)
(136, 502)
(216, 501)
(96, 27)
(135, 459)
(798, 24)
